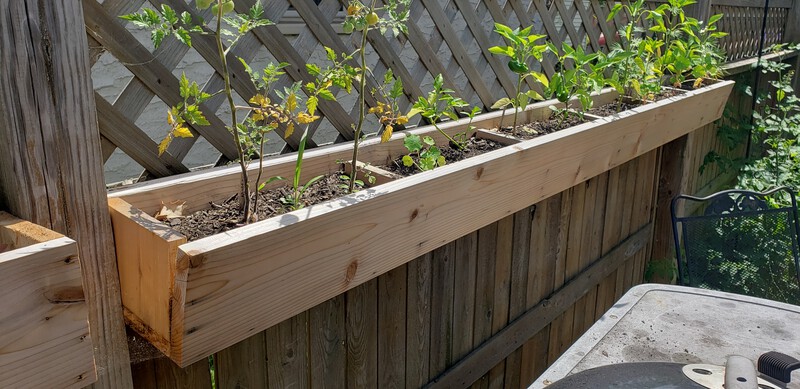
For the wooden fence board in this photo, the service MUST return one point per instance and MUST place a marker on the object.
(362, 335)
(418, 328)
(391, 328)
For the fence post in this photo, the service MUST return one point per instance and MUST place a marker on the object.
(51, 170)
(793, 23)
(671, 182)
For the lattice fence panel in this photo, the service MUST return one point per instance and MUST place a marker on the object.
(450, 37)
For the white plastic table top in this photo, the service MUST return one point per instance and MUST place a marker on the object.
(669, 323)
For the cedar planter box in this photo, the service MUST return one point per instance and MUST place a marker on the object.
(193, 299)
(44, 327)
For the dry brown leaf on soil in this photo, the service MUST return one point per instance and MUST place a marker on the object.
(170, 211)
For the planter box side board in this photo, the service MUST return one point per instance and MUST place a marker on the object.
(244, 281)
(148, 248)
(44, 327)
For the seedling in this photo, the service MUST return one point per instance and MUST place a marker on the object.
(521, 48)
(428, 156)
(441, 102)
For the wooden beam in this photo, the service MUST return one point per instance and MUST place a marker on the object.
(670, 175)
(498, 347)
(50, 158)
(792, 33)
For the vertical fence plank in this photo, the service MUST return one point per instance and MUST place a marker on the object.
(443, 287)
(327, 334)
(466, 257)
(287, 353)
(243, 365)
(520, 261)
(484, 289)
(362, 335)
(502, 289)
(418, 313)
(392, 328)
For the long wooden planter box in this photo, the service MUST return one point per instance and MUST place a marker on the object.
(193, 299)
(44, 327)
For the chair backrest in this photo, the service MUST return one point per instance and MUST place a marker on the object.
(741, 242)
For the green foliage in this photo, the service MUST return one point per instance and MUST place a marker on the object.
(167, 22)
(363, 18)
(428, 156)
(579, 78)
(776, 131)
(441, 103)
(673, 48)
(521, 48)
(164, 23)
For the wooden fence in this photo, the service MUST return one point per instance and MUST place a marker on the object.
(490, 309)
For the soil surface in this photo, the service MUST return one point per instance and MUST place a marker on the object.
(221, 217)
(475, 146)
(535, 129)
(619, 106)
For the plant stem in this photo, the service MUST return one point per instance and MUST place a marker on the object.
(260, 171)
(362, 103)
(245, 194)
(517, 103)
(449, 138)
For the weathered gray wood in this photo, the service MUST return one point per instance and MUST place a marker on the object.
(496, 348)
(51, 170)
(792, 33)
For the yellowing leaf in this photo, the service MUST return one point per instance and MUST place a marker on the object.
(311, 104)
(387, 133)
(304, 118)
(182, 132)
(291, 102)
(289, 130)
(257, 116)
(259, 100)
(162, 147)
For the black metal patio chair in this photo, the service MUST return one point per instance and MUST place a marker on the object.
(739, 241)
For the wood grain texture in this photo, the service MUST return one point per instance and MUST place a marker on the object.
(47, 109)
(362, 335)
(515, 334)
(243, 365)
(327, 337)
(216, 267)
(44, 327)
(391, 328)
(418, 321)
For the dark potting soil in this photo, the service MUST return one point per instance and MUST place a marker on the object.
(221, 217)
(475, 146)
(539, 128)
(620, 106)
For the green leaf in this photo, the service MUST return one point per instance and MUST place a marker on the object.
(502, 50)
(428, 141)
(330, 54)
(327, 94)
(184, 86)
(614, 10)
(413, 143)
(408, 161)
(183, 36)
(441, 161)
(311, 104)
(313, 70)
(534, 95)
(413, 112)
(502, 103)
(713, 19)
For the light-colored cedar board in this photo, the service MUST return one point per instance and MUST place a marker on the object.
(222, 264)
(17, 233)
(44, 327)
(196, 191)
(146, 255)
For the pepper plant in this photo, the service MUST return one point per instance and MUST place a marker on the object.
(230, 27)
(520, 49)
(442, 103)
(579, 77)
